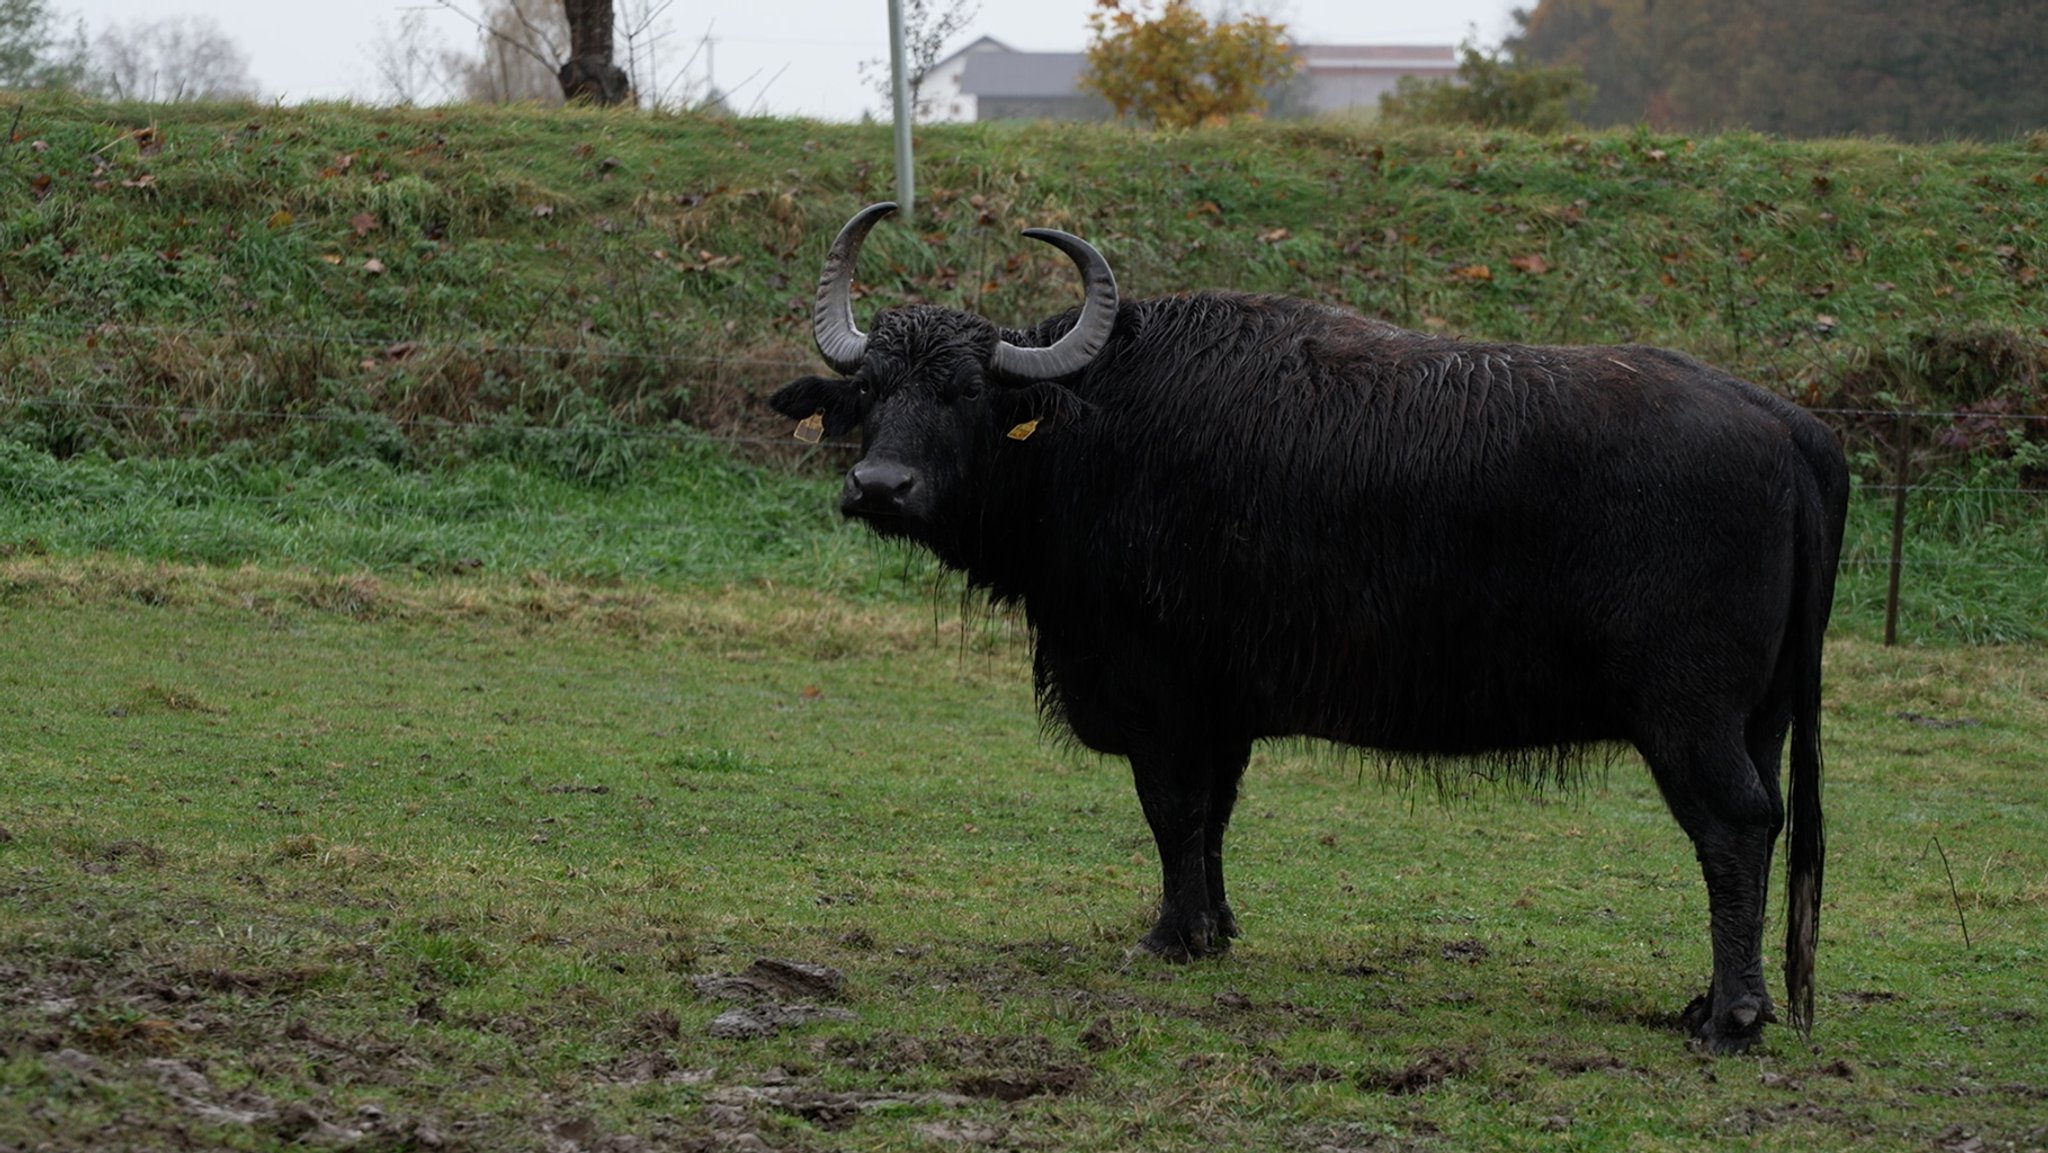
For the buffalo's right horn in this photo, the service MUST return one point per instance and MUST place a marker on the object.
(840, 341)
(1072, 352)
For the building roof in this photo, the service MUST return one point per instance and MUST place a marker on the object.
(1402, 56)
(1035, 74)
(978, 44)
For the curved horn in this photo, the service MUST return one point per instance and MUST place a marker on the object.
(1072, 352)
(840, 341)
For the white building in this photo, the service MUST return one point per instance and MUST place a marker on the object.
(939, 98)
(989, 80)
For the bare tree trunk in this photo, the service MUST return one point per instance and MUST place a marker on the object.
(589, 73)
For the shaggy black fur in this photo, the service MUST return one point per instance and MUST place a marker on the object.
(1255, 517)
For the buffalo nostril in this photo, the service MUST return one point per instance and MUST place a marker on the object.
(879, 487)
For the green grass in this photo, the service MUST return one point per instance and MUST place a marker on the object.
(609, 267)
(407, 700)
(685, 512)
(458, 862)
(1971, 566)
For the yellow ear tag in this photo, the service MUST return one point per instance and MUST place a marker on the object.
(811, 428)
(1024, 431)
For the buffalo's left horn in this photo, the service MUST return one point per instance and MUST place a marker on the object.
(840, 341)
(1072, 352)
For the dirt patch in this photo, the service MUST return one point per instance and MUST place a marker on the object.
(1100, 1036)
(1298, 1073)
(730, 1108)
(1758, 1120)
(1426, 1072)
(751, 1022)
(769, 980)
(1354, 1137)
(778, 995)
(1573, 1064)
(1018, 1084)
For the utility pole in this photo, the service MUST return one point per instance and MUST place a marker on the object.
(906, 182)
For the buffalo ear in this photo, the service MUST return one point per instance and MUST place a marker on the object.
(835, 397)
(1053, 404)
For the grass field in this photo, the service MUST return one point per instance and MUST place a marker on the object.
(303, 857)
(417, 731)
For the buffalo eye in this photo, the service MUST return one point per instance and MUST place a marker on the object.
(966, 382)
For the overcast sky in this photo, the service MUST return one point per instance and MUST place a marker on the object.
(778, 57)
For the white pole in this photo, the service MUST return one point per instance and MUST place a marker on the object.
(906, 183)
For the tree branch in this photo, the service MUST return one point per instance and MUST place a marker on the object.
(514, 41)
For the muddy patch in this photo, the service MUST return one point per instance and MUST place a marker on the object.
(1420, 1075)
(776, 995)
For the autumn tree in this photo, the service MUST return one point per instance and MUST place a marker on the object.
(1171, 66)
(1491, 91)
(171, 59)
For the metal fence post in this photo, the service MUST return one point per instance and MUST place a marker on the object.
(1902, 461)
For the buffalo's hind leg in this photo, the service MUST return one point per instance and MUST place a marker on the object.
(1187, 790)
(1730, 806)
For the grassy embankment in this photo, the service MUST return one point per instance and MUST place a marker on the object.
(584, 296)
(406, 700)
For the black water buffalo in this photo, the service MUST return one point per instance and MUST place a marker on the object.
(1229, 517)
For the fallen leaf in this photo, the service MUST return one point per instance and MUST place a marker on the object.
(40, 185)
(1274, 236)
(280, 219)
(1533, 264)
(1473, 272)
(363, 223)
(373, 266)
(543, 211)
(331, 257)
(142, 181)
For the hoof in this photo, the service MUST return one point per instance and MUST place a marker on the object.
(1179, 945)
(1226, 924)
(1732, 1030)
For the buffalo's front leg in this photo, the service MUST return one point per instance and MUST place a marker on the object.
(1187, 794)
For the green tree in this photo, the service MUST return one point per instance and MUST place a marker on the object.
(1492, 91)
(1177, 69)
(32, 54)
